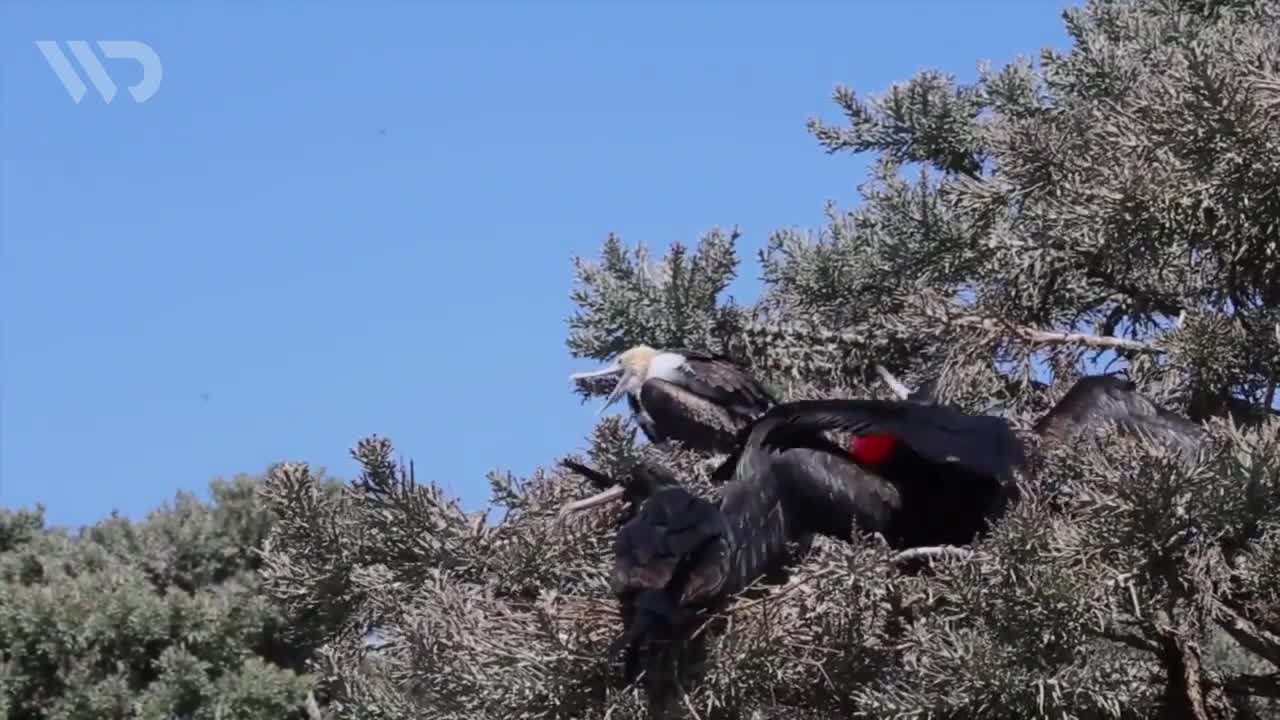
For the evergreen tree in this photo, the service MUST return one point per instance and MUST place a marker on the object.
(1112, 206)
(163, 618)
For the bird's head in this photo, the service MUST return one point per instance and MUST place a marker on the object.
(644, 480)
(631, 367)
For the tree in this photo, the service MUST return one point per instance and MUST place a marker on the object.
(152, 619)
(1113, 203)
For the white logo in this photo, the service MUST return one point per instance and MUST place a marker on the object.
(138, 52)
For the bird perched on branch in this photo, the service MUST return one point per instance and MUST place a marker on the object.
(952, 470)
(681, 555)
(785, 483)
(699, 399)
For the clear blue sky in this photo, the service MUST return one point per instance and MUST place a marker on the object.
(354, 218)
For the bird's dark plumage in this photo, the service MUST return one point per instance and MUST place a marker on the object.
(911, 500)
(664, 543)
(939, 434)
(1097, 399)
(671, 559)
(720, 379)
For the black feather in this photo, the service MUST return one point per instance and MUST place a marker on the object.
(940, 434)
(1097, 399)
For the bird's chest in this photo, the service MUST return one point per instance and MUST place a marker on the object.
(668, 366)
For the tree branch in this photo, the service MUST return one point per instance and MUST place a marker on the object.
(1136, 642)
(1182, 662)
(894, 384)
(1251, 685)
(1044, 337)
(931, 552)
(1245, 632)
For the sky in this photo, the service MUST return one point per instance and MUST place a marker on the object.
(353, 218)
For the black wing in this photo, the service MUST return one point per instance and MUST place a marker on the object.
(1096, 399)
(645, 420)
(675, 544)
(669, 557)
(981, 443)
(693, 419)
(725, 382)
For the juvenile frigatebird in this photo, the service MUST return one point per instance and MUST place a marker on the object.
(680, 554)
(700, 399)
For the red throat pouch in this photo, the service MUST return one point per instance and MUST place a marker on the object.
(872, 449)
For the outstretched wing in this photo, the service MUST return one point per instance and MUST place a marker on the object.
(1096, 399)
(723, 381)
(691, 418)
(981, 443)
(676, 545)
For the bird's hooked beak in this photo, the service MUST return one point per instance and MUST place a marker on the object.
(616, 368)
(599, 498)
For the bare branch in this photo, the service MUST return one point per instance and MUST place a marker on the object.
(1136, 642)
(894, 384)
(1251, 685)
(1248, 634)
(932, 552)
(1045, 337)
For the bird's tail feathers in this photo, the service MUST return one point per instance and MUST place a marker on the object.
(655, 616)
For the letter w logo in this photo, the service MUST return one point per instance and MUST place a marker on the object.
(138, 52)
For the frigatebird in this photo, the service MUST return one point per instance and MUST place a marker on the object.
(680, 554)
(944, 458)
(917, 472)
(700, 399)
(1098, 399)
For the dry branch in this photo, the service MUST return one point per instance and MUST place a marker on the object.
(938, 551)
(894, 384)
(1045, 337)
(1248, 634)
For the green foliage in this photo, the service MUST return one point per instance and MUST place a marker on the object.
(1114, 201)
(153, 619)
